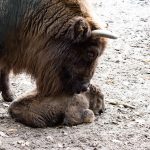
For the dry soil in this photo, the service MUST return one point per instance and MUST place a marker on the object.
(124, 76)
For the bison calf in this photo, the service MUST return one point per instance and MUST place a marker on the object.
(51, 111)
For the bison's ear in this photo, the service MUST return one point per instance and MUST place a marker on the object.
(78, 30)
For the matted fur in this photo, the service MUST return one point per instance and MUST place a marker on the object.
(53, 43)
(37, 111)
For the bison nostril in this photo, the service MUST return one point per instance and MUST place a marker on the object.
(81, 89)
(84, 89)
(78, 91)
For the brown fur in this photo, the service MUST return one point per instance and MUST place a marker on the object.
(36, 111)
(54, 45)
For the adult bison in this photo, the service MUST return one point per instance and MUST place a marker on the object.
(57, 42)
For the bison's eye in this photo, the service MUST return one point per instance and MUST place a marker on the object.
(92, 55)
(66, 74)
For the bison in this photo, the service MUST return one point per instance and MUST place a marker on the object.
(64, 109)
(57, 42)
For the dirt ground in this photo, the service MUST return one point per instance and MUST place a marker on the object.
(124, 76)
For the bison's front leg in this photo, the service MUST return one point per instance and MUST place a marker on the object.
(77, 29)
(25, 110)
(4, 86)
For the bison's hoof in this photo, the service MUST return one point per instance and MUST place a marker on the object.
(7, 96)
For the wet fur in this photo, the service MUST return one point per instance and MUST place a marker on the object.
(53, 44)
(36, 111)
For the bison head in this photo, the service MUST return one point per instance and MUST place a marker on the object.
(81, 59)
(80, 63)
(71, 57)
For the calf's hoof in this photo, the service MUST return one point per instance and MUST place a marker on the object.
(76, 118)
(88, 116)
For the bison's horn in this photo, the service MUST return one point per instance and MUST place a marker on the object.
(104, 33)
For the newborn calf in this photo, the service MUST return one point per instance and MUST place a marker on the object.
(38, 111)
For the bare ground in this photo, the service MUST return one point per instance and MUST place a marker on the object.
(124, 76)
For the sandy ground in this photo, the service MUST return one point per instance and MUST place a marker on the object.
(124, 76)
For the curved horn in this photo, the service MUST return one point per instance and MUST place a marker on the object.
(104, 33)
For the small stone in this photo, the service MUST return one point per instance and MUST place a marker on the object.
(126, 83)
(94, 144)
(6, 105)
(2, 111)
(105, 148)
(11, 131)
(121, 106)
(60, 145)
(148, 108)
(0, 143)
(27, 143)
(20, 142)
(64, 133)
(2, 134)
(114, 122)
(117, 61)
(50, 138)
(116, 141)
(140, 121)
(23, 143)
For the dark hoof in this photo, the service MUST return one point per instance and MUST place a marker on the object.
(7, 97)
(102, 110)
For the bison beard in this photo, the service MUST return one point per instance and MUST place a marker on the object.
(35, 111)
(52, 41)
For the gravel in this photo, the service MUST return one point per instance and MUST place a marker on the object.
(124, 76)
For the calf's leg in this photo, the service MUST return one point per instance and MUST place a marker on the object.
(78, 112)
(26, 110)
